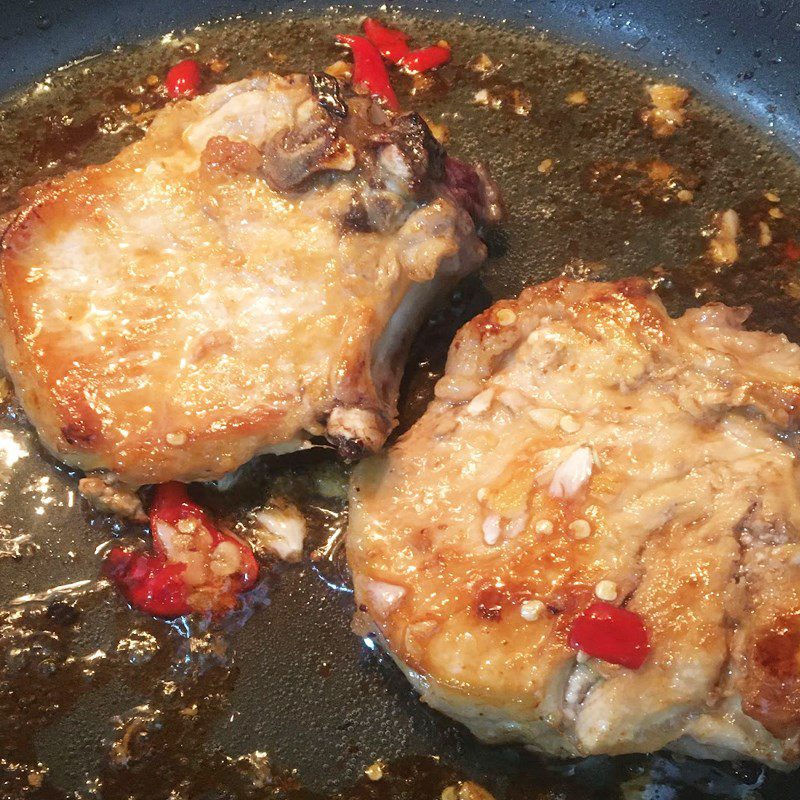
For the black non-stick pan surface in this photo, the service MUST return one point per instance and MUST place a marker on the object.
(281, 699)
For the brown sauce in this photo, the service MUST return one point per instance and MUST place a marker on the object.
(281, 700)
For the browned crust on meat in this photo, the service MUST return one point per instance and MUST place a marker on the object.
(771, 687)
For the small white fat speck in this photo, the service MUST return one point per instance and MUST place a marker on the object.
(491, 528)
(481, 494)
(569, 424)
(580, 529)
(480, 402)
(544, 527)
(531, 610)
(176, 439)
(572, 474)
(606, 590)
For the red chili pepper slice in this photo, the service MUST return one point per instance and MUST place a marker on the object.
(369, 69)
(793, 250)
(427, 58)
(184, 79)
(193, 566)
(149, 583)
(612, 634)
(391, 42)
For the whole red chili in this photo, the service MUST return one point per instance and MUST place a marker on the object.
(369, 69)
(391, 42)
(612, 634)
(184, 79)
(427, 58)
(157, 583)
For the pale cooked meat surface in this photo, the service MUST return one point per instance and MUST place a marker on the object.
(584, 443)
(244, 277)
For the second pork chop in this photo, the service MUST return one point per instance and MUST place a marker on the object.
(590, 542)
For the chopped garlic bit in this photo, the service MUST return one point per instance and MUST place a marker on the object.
(521, 102)
(606, 590)
(439, 130)
(578, 98)
(572, 474)
(776, 213)
(465, 791)
(772, 197)
(666, 113)
(580, 529)
(544, 527)
(374, 771)
(685, 196)
(106, 494)
(531, 610)
(722, 249)
(764, 234)
(340, 69)
(545, 166)
(482, 64)
(218, 65)
(281, 529)
(517, 100)
(176, 439)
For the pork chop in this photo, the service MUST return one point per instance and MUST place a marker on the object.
(242, 279)
(590, 542)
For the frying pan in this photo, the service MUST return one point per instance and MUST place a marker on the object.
(304, 706)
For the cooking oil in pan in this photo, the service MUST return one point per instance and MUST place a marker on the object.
(281, 699)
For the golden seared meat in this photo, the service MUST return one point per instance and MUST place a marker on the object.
(243, 278)
(590, 542)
